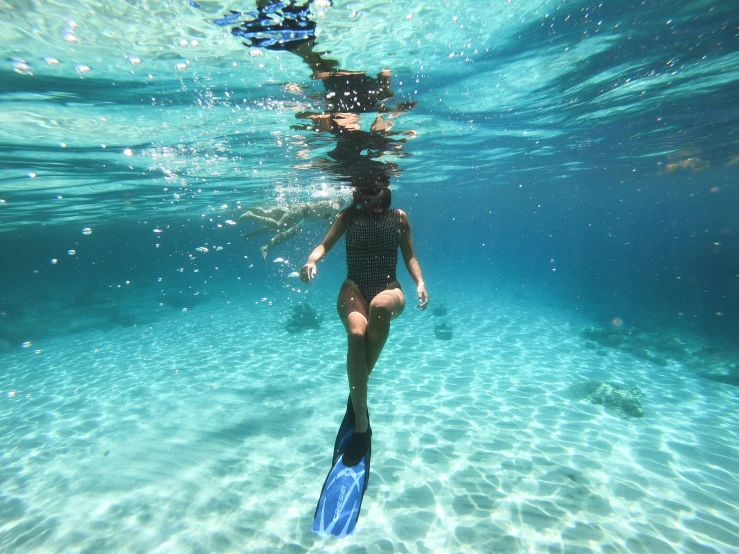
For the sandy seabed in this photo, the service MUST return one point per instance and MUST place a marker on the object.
(211, 431)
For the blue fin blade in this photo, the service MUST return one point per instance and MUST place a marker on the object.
(341, 500)
(341, 497)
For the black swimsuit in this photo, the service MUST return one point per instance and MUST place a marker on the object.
(372, 251)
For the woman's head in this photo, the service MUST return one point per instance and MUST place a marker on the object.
(373, 190)
(373, 198)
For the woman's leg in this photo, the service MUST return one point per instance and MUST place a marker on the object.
(384, 307)
(255, 233)
(367, 331)
(273, 212)
(278, 238)
(353, 311)
(264, 220)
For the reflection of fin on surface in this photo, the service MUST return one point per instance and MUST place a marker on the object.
(278, 25)
(342, 494)
(233, 17)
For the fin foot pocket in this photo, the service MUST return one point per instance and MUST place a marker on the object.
(357, 448)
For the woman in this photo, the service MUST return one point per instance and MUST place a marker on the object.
(287, 221)
(371, 296)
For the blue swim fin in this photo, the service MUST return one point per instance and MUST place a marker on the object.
(341, 497)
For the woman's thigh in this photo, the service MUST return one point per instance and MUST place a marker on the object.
(391, 299)
(352, 307)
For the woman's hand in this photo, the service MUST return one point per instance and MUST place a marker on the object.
(423, 297)
(308, 272)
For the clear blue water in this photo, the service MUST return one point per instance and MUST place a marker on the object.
(570, 173)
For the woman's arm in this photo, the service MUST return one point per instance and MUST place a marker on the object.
(308, 271)
(411, 263)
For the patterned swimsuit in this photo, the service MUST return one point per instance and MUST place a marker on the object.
(372, 251)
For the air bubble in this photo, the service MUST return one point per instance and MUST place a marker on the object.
(20, 66)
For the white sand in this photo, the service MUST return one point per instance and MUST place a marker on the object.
(211, 431)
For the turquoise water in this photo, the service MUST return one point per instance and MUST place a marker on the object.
(570, 173)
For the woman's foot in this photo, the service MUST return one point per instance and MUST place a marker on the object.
(245, 216)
